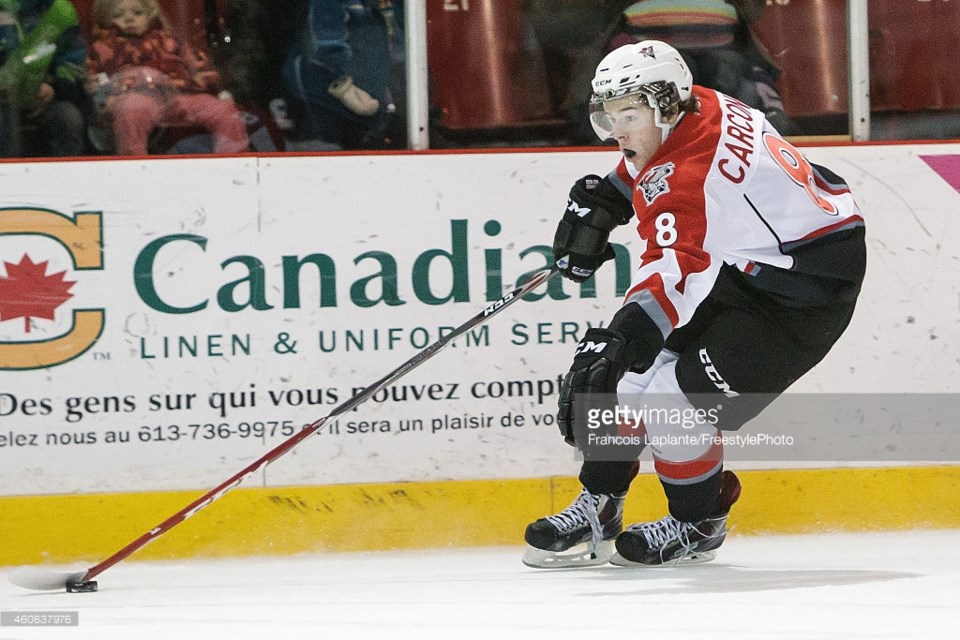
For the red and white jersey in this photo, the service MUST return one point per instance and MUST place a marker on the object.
(725, 188)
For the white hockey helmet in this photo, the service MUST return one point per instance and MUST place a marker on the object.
(651, 71)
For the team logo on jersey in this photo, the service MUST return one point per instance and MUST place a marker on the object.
(653, 183)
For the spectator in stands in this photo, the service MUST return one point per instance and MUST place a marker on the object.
(145, 76)
(256, 37)
(322, 73)
(324, 44)
(572, 36)
(259, 34)
(715, 40)
(41, 79)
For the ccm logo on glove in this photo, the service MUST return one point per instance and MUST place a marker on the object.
(589, 345)
(594, 208)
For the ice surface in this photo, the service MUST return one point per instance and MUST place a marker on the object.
(818, 587)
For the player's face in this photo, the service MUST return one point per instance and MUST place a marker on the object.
(130, 17)
(633, 127)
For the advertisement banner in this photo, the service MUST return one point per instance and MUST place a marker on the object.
(164, 323)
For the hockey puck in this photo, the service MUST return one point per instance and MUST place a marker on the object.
(81, 586)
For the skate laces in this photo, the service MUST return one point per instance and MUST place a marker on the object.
(668, 529)
(583, 509)
(662, 531)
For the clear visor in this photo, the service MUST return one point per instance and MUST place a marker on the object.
(615, 117)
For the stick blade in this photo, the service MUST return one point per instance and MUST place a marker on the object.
(39, 579)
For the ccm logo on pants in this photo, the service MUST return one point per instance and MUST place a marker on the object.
(715, 376)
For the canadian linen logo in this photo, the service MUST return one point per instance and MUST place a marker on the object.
(29, 294)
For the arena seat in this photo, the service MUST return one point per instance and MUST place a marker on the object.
(84, 10)
(186, 19)
(914, 55)
(481, 74)
(807, 40)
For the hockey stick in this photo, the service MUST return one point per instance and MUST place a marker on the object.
(44, 580)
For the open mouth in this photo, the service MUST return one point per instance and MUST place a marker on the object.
(629, 154)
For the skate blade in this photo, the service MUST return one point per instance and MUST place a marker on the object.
(577, 556)
(691, 558)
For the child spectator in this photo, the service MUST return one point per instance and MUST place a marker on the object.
(324, 42)
(41, 79)
(341, 46)
(716, 41)
(154, 78)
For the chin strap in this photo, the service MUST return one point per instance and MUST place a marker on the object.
(666, 129)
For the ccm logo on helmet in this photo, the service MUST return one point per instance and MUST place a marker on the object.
(715, 376)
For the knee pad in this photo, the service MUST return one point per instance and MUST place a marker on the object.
(677, 431)
(636, 383)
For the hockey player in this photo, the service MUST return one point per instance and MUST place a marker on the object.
(753, 262)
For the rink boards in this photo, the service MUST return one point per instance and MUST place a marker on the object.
(217, 305)
(436, 515)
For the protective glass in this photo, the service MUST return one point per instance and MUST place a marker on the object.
(621, 116)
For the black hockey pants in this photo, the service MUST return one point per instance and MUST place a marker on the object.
(761, 347)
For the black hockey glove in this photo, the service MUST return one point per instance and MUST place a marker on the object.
(632, 341)
(601, 359)
(594, 209)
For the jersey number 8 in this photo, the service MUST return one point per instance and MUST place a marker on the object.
(666, 224)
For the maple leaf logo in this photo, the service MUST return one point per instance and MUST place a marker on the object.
(27, 292)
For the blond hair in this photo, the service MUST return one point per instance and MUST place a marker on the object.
(103, 8)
